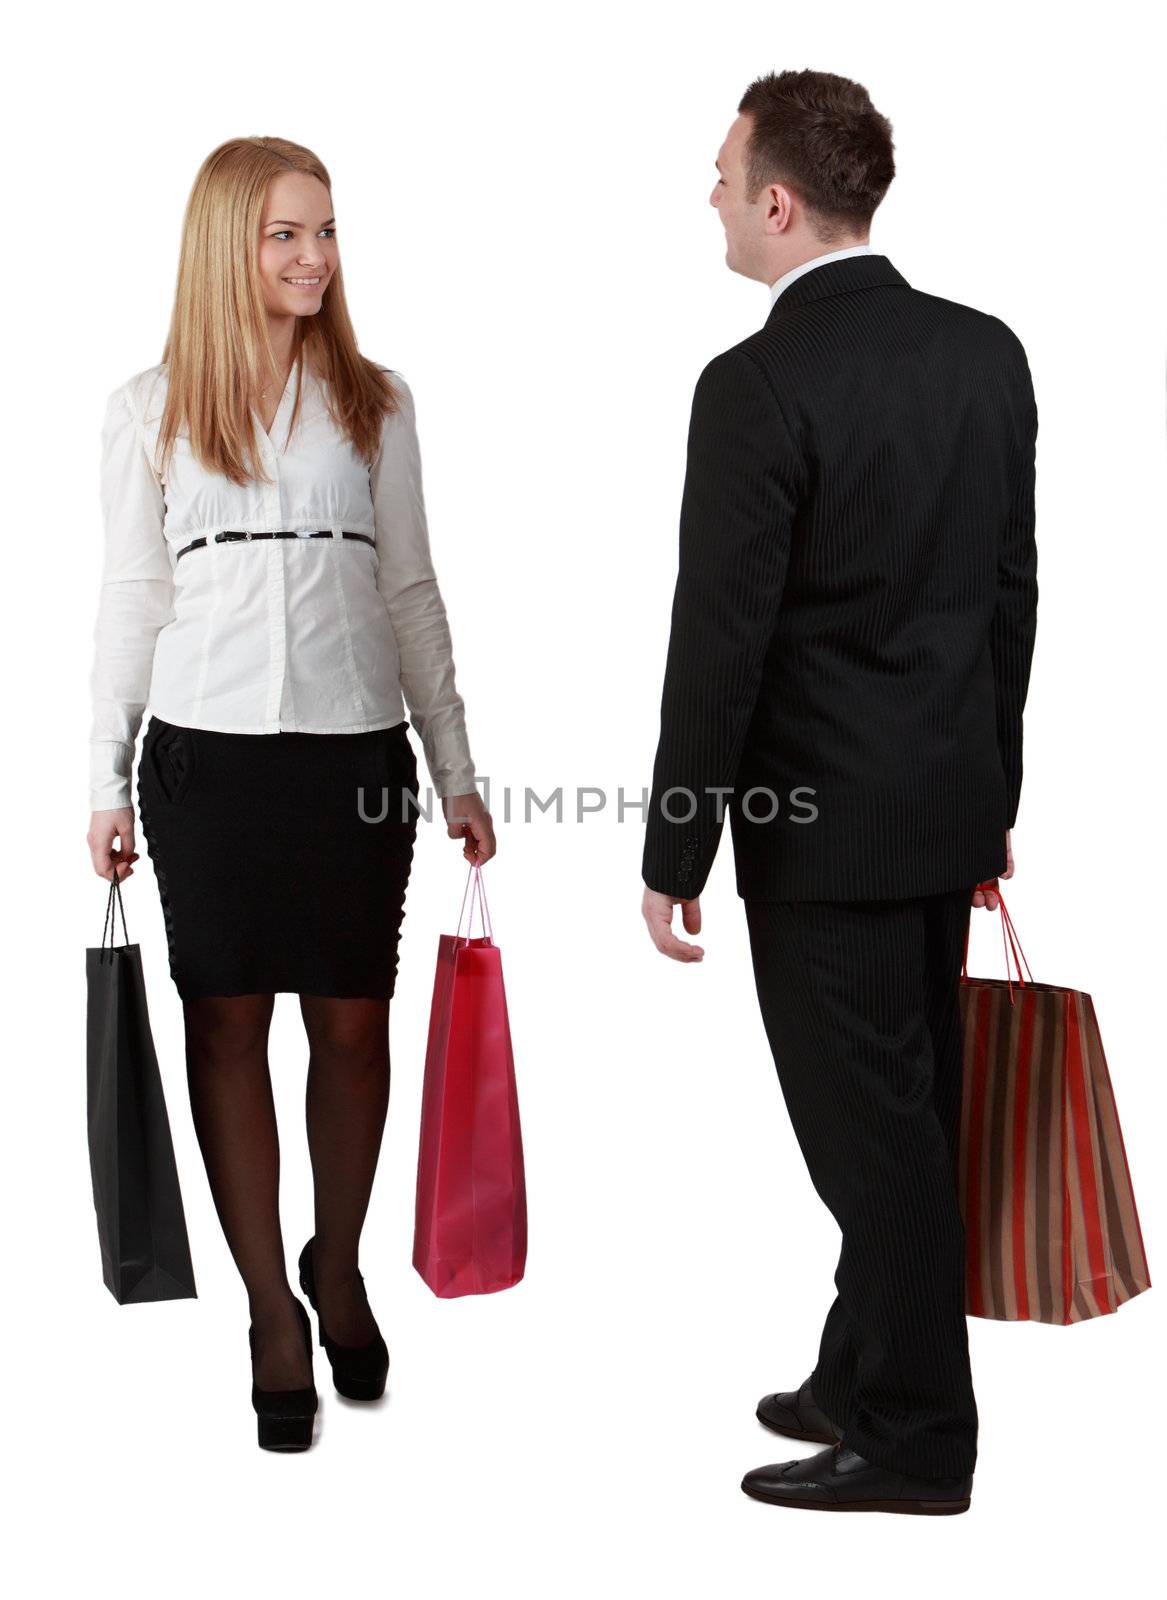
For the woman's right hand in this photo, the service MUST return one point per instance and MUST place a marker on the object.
(104, 828)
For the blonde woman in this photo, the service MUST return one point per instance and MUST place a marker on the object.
(268, 594)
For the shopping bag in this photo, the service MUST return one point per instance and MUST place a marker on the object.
(141, 1226)
(1052, 1233)
(470, 1226)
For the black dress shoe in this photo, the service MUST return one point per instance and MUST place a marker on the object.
(797, 1416)
(284, 1416)
(839, 1480)
(358, 1370)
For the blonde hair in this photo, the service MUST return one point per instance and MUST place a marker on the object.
(218, 348)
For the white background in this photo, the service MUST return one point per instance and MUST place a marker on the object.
(521, 194)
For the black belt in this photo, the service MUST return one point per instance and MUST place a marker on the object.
(229, 535)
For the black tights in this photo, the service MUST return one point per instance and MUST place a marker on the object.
(234, 1117)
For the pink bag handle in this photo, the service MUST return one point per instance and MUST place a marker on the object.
(1008, 938)
(475, 874)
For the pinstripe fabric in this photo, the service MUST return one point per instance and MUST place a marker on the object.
(1052, 1230)
(855, 607)
(860, 1004)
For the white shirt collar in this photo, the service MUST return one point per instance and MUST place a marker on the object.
(788, 278)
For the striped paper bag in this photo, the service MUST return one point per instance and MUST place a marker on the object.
(1050, 1221)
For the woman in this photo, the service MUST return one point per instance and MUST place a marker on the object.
(268, 592)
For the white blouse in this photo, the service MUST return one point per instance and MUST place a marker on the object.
(314, 633)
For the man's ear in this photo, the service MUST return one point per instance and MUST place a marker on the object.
(779, 208)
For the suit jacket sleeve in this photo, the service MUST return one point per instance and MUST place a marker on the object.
(743, 481)
(1014, 625)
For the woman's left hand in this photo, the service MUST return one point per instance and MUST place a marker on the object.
(467, 818)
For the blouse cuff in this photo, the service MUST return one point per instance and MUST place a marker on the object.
(109, 775)
(458, 782)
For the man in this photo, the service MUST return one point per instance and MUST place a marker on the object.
(852, 632)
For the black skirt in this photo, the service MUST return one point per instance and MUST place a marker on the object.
(270, 876)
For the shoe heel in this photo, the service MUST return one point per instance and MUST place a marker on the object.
(357, 1388)
(284, 1433)
(307, 1286)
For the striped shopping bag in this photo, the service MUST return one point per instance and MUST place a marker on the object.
(1051, 1227)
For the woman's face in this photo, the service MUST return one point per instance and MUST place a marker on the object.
(297, 246)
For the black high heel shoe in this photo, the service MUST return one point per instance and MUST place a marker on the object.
(358, 1371)
(284, 1417)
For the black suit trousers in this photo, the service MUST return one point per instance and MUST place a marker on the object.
(860, 1001)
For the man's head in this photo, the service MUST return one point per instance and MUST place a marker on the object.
(801, 171)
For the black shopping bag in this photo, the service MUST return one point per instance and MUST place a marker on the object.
(140, 1221)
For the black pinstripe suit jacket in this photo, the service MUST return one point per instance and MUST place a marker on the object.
(855, 608)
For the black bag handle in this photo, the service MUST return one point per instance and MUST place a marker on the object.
(115, 893)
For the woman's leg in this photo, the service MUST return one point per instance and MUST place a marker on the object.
(234, 1117)
(347, 1098)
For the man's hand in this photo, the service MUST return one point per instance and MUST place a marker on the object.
(657, 910)
(467, 818)
(985, 897)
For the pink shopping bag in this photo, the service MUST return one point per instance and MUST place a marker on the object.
(470, 1228)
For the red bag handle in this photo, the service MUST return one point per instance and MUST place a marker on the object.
(1008, 938)
(475, 874)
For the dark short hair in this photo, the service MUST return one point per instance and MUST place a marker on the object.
(821, 136)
